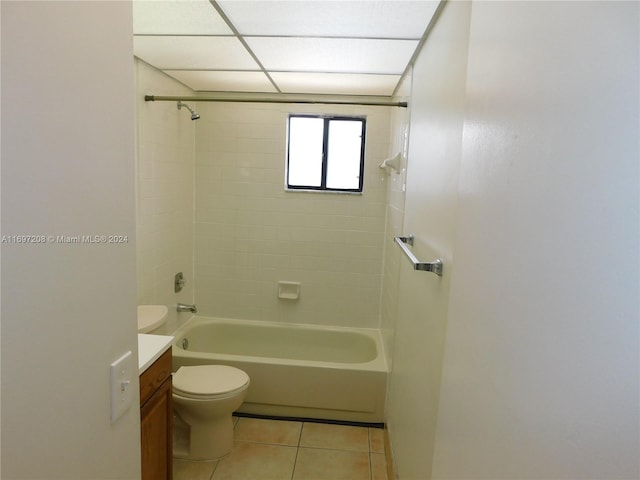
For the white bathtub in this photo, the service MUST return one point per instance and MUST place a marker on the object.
(303, 371)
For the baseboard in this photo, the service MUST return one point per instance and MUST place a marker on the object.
(310, 420)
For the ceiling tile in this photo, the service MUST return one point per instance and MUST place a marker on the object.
(319, 18)
(223, 81)
(336, 83)
(332, 55)
(185, 17)
(350, 47)
(193, 53)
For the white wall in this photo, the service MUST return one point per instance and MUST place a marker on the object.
(164, 179)
(68, 310)
(437, 112)
(540, 376)
(535, 210)
(251, 233)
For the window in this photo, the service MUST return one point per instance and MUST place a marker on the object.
(325, 153)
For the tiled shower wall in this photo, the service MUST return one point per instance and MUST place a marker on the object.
(399, 142)
(165, 140)
(250, 233)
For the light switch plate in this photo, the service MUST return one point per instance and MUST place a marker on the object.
(121, 373)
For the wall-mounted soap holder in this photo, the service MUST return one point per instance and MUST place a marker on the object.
(289, 290)
(178, 282)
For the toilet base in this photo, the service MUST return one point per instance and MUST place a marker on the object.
(205, 441)
(180, 438)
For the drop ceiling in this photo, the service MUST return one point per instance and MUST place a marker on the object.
(335, 47)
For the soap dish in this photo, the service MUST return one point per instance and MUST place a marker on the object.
(289, 290)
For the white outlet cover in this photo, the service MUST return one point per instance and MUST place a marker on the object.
(122, 373)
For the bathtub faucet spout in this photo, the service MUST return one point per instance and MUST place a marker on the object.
(182, 307)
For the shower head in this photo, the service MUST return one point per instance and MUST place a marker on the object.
(194, 115)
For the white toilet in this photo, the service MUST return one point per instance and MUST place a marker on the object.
(204, 397)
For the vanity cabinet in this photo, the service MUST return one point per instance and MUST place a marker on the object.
(156, 419)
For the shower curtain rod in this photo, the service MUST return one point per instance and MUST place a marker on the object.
(280, 99)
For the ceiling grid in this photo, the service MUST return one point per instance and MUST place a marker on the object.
(337, 47)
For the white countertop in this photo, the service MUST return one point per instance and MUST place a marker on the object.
(150, 347)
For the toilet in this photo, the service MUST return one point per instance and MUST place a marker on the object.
(204, 397)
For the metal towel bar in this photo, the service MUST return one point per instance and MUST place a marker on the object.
(435, 266)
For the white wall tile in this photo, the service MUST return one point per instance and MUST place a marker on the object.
(165, 195)
(394, 211)
(250, 232)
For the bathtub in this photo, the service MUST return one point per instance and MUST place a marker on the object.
(300, 371)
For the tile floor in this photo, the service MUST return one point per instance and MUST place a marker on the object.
(292, 450)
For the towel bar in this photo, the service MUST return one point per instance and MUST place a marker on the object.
(435, 266)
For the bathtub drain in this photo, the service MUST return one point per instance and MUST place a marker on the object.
(185, 344)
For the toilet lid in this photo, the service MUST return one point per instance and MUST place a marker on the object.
(208, 380)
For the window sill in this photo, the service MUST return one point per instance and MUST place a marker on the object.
(323, 192)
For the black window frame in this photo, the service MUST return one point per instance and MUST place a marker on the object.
(325, 160)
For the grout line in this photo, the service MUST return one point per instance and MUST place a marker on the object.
(300, 436)
(214, 470)
(295, 462)
(254, 442)
(335, 450)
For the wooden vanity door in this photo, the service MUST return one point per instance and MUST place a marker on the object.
(156, 420)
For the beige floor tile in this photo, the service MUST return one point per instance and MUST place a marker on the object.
(376, 440)
(378, 467)
(338, 437)
(185, 470)
(254, 461)
(321, 464)
(277, 432)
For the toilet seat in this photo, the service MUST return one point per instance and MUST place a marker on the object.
(209, 381)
